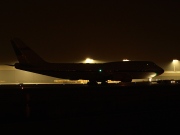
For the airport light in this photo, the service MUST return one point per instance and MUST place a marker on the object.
(125, 60)
(175, 61)
(88, 60)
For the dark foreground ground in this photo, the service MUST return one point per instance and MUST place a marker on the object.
(80, 109)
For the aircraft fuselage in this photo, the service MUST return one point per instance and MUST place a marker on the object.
(119, 71)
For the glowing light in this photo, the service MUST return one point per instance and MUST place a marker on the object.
(100, 70)
(153, 75)
(88, 60)
(175, 61)
(125, 60)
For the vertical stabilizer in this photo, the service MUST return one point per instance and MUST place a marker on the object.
(24, 54)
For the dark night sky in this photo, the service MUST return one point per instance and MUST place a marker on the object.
(71, 30)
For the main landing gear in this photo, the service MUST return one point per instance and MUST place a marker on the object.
(92, 82)
(104, 83)
(126, 80)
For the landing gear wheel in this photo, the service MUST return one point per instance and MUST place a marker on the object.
(104, 83)
(92, 83)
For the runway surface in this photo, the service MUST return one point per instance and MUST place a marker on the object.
(129, 108)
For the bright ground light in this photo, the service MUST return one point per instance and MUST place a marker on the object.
(88, 60)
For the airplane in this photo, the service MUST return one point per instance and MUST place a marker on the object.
(123, 71)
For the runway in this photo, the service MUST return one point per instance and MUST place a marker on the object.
(113, 109)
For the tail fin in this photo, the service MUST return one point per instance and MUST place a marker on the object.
(24, 54)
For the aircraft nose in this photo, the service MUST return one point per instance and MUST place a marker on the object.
(160, 71)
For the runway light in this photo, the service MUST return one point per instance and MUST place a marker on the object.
(150, 79)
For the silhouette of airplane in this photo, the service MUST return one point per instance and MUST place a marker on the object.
(123, 71)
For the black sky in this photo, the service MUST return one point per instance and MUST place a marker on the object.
(71, 30)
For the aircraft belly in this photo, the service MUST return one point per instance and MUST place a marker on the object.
(140, 75)
(85, 76)
(74, 75)
(133, 75)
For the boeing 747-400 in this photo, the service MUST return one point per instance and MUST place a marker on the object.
(123, 71)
